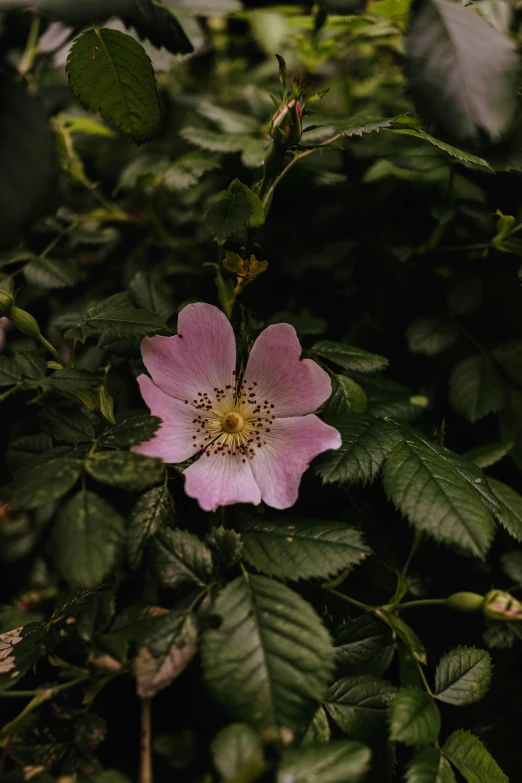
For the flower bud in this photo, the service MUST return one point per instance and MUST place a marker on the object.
(24, 322)
(465, 602)
(286, 127)
(499, 605)
(6, 303)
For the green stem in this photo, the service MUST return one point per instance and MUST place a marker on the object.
(421, 674)
(31, 48)
(353, 601)
(52, 349)
(414, 547)
(10, 391)
(423, 602)
(48, 693)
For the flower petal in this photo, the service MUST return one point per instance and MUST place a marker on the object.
(293, 386)
(220, 480)
(174, 441)
(200, 358)
(290, 446)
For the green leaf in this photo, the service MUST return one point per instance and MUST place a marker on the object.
(43, 483)
(347, 397)
(318, 732)
(463, 676)
(462, 72)
(510, 503)
(67, 423)
(33, 365)
(87, 538)
(236, 208)
(83, 13)
(359, 705)
(125, 470)
(28, 450)
(181, 558)
(226, 547)
(467, 753)
(349, 357)
(475, 388)
(364, 645)
(366, 442)
(127, 323)
(389, 399)
(51, 273)
(237, 748)
(71, 380)
(430, 335)
(110, 72)
(158, 25)
(116, 303)
(10, 371)
(28, 160)
(485, 456)
(414, 717)
(406, 634)
(304, 550)
(215, 142)
(454, 152)
(337, 762)
(429, 766)
(186, 171)
(273, 640)
(131, 431)
(154, 511)
(165, 653)
(436, 498)
(19, 650)
(509, 356)
(152, 295)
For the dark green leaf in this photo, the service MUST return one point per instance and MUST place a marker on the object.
(485, 456)
(158, 25)
(462, 72)
(51, 273)
(67, 423)
(28, 450)
(429, 766)
(33, 365)
(364, 645)
(366, 442)
(10, 371)
(347, 397)
(475, 388)
(19, 650)
(40, 484)
(430, 335)
(387, 398)
(110, 72)
(406, 634)
(463, 676)
(510, 503)
(467, 753)
(509, 356)
(130, 432)
(153, 511)
(304, 550)
(151, 295)
(337, 762)
(71, 380)
(236, 208)
(414, 717)
(87, 537)
(273, 640)
(349, 357)
(95, 615)
(226, 547)
(235, 748)
(165, 653)
(215, 142)
(359, 705)
(181, 558)
(127, 323)
(125, 470)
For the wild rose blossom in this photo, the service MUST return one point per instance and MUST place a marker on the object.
(256, 435)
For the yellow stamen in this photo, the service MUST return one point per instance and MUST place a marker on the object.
(233, 422)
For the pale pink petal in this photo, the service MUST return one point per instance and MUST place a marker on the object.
(293, 386)
(220, 480)
(174, 441)
(199, 359)
(290, 446)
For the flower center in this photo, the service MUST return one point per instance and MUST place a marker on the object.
(232, 422)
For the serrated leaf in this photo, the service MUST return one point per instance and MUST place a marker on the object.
(33, 365)
(318, 732)
(125, 470)
(67, 424)
(509, 356)
(153, 511)
(273, 640)
(19, 650)
(215, 142)
(366, 442)
(187, 171)
(236, 208)
(449, 149)
(430, 336)
(467, 753)
(429, 766)
(127, 323)
(27, 450)
(405, 633)
(181, 558)
(10, 371)
(510, 503)
(131, 431)
(51, 273)
(152, 295)
(463, 676)
(165, 653)
(485, 456)
(436, 498)
(158, 25)
(304, 550)
(226, 547)
(364, 645)
(94, 615)
(349, 357)
(236, 747)
(359, 705)
(358, 125)
(472, 65)
(71, 379)
(475, 388)
(347, 397)
(87, 537)
(414, 717)
(110, 72)
(337, 762)
(40, 484)
(389, 399)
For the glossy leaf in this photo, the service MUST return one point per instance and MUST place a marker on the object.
(463, 676)
(153, 511)
(469, 756)
(181, 558)
(349, 357)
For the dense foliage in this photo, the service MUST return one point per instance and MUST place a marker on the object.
(155, 153)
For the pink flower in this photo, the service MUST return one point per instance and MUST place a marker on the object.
(255, 436)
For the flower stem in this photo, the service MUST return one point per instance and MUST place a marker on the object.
(146, 747)
(423, 602)
(31, 47)
(353, 601)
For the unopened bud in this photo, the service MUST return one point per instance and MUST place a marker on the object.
(286, 128)
(499, 605)
(465, 602)
(24, 322)
(6, 303)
